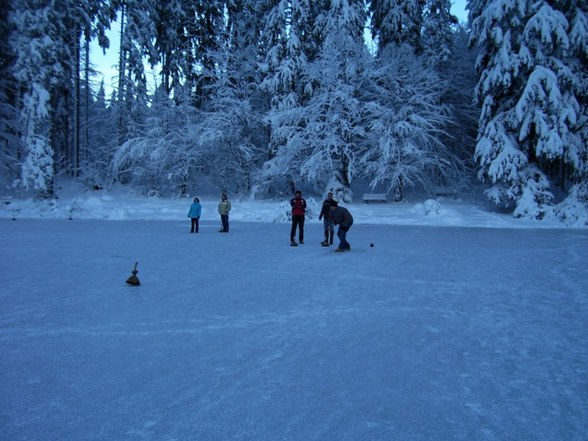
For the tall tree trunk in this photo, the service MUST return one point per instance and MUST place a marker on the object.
(77, 73)
(121, 79)
(86, 99)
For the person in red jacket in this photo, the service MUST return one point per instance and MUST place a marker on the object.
(298, 210)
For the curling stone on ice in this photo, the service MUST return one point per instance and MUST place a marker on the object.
(134, 280)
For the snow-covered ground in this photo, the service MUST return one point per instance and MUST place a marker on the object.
(462, 324)
(128, 204)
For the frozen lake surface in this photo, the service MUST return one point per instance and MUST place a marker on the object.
(435, 333)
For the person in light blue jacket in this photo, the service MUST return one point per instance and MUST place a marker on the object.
(194, 214)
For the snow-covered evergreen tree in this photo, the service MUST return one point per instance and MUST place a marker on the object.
(405, 125)
(322, 136)
(533, 93)
(182, 144)
(311, 28)
(460, 78)
(285, 64)
(232, 132)
(46, 40)
(185, 32)
(397, 22)
(137, 22)
(162, 157)
(173, 43)
(10, 146)
(36, 44)
(102, 124)
(437, 33)
(286, 60)
(211, 24)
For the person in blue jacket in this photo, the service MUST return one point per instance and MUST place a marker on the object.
(194, 214)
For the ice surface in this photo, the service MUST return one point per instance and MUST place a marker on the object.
(435, 333)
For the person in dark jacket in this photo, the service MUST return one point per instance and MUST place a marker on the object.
(194, 213)
(325, 215)
(298, 211)
(342, 217)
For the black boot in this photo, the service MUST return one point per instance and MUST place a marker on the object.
(325, 242)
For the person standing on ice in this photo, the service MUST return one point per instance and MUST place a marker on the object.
(342, 217)
(194, 213)
(224, 206)
(325, 215)
(298, 211)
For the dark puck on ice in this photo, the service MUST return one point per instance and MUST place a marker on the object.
(371, 245)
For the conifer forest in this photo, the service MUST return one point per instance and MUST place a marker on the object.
(261, 97)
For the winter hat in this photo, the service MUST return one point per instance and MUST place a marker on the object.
(333, 203)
